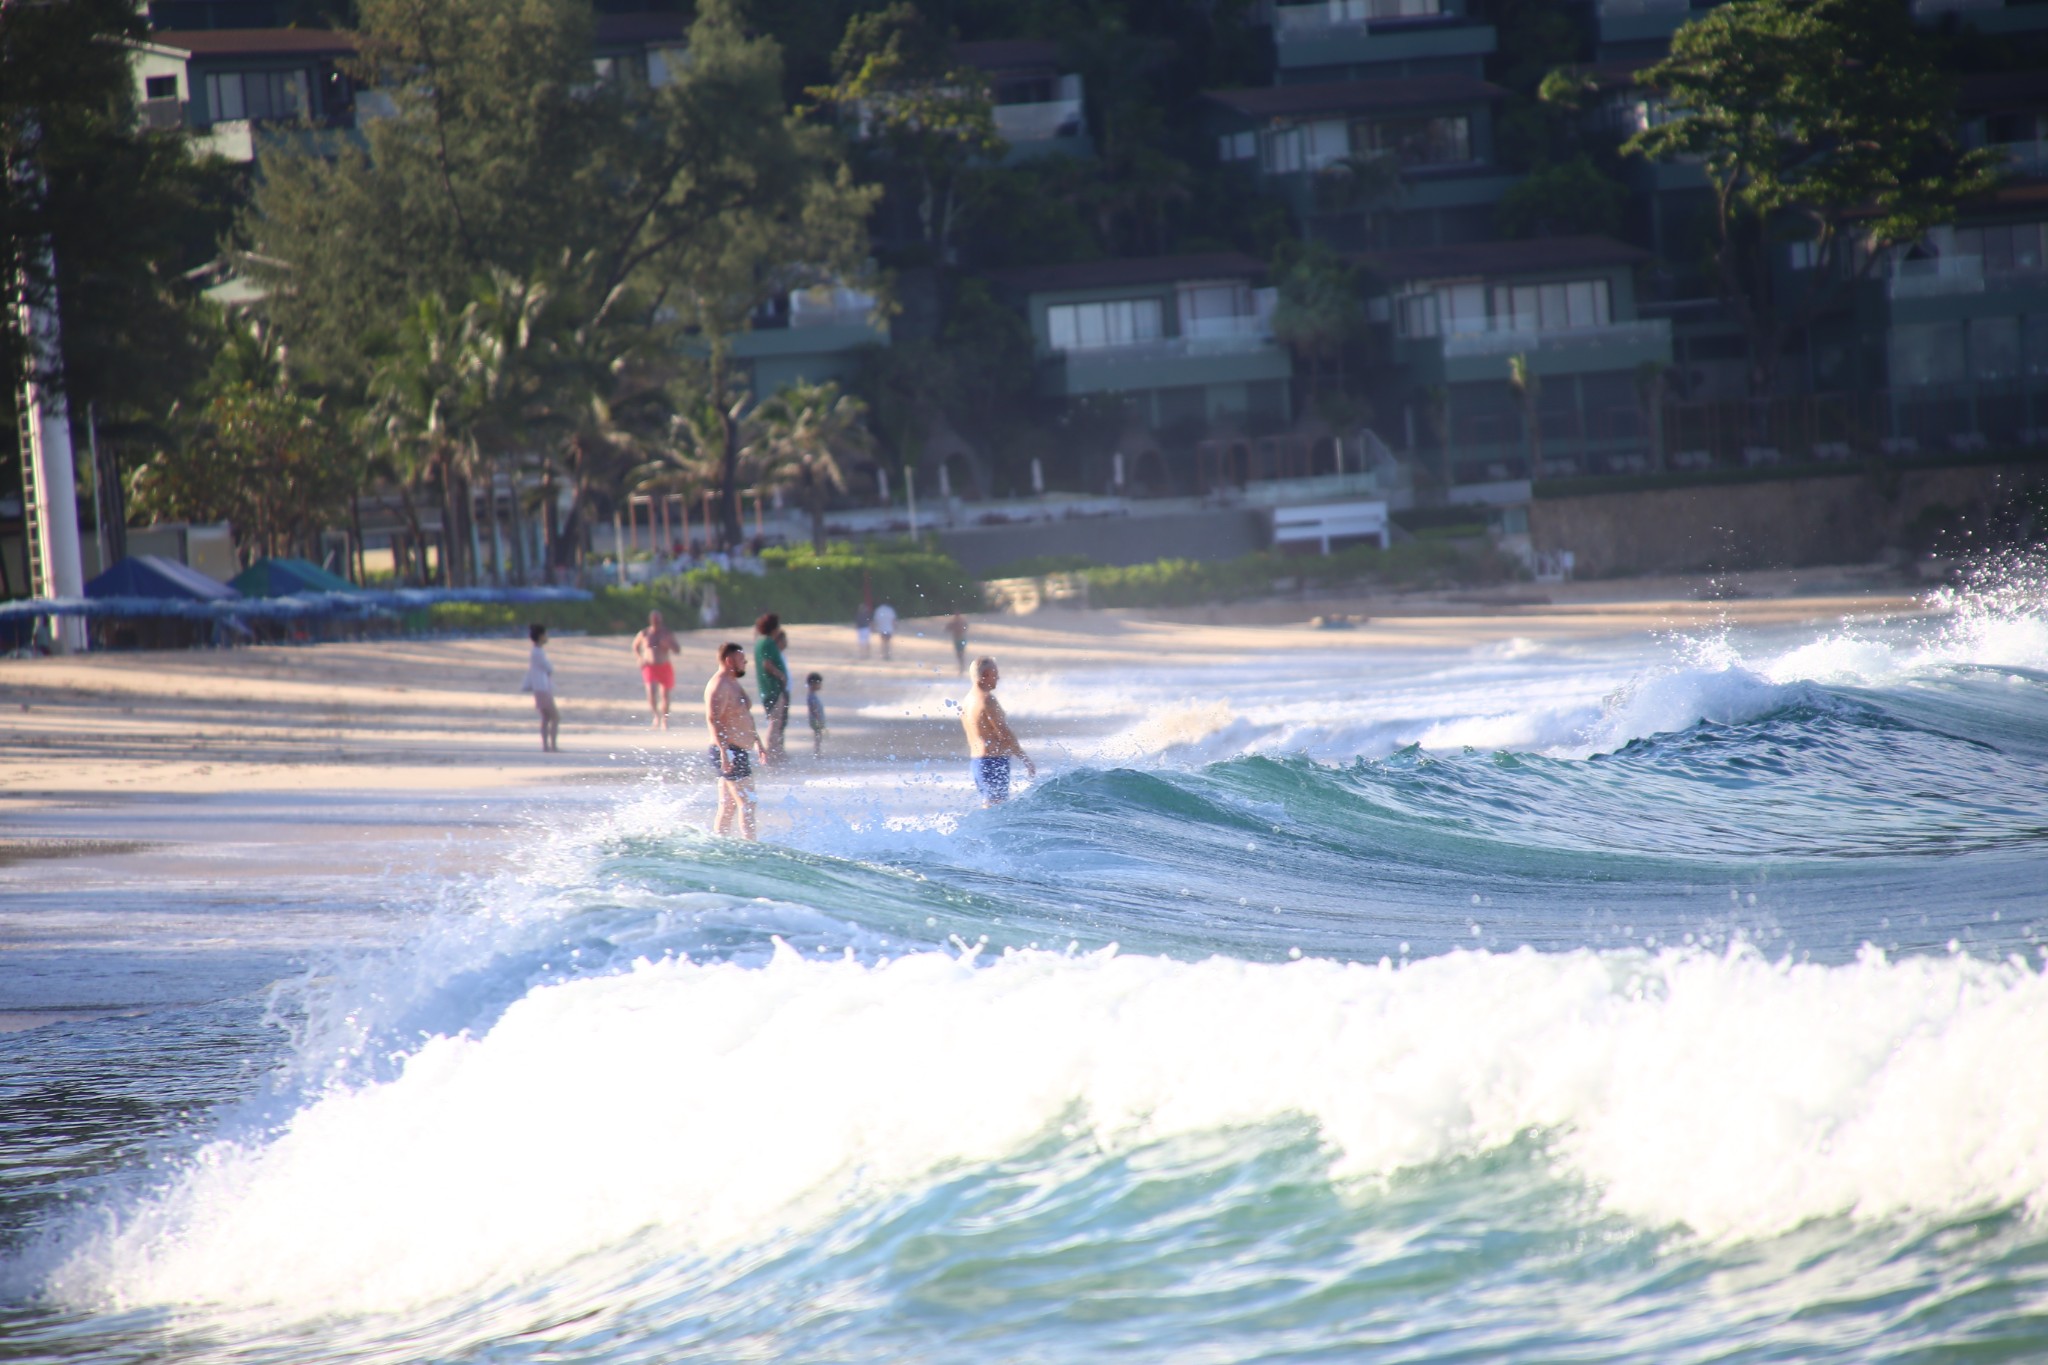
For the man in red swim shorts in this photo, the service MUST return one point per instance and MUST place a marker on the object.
(653, 647)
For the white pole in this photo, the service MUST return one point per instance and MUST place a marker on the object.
(49, 422)
(945, 484)
(910, 494)
(1117, 464)
(1037, 477)
(882, 479)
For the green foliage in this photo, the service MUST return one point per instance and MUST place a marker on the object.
(1563, 199)
(1041, 566)
(1186, 582)
(1321, 311)
(1829, 121)
(802, 585)
(263, 458)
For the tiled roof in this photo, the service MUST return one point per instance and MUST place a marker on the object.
(1145, 270)
(1338, 97)
(256, 42)
(1494, 259)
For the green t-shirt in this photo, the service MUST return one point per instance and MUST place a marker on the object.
(772, 684)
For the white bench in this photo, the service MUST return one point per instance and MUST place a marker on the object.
(1330, 521)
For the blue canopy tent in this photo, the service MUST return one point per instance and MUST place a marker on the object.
(159, 602)
(153, 576)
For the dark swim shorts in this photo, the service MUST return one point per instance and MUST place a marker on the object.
(738, 764)
(992, 778)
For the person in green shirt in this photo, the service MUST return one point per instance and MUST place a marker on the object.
(774, 674)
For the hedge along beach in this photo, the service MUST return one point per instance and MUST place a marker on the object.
(1489, 936)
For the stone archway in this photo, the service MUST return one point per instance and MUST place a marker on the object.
(946, 452)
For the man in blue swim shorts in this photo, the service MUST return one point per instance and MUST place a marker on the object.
(989, 738)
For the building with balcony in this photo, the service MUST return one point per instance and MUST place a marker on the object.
(1038, 107)
(1379, 163)
(811, 335)
(1342, 40)
(231, 88)
(1184, 340)
(1457, 319)
(647, 48)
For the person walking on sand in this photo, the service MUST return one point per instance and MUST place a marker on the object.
(816, 705)
(774, 671)
(730, 718)
(885, 626)
(652, 648)
(540, 680)
(956, 631)
(990, 741)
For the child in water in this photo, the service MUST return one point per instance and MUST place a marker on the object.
(817, 706)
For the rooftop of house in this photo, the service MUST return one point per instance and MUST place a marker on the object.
(1489, 260)
(1343, 97)
(1133, 271)
(255, 42)
(612, 30)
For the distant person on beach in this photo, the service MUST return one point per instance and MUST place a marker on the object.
(816, 703)
(730, 718)
(540, 680)
(990, 740)
(707, 606)
(956, 631)
(774, 671)
(863, 620)
(652, 647)
(885, 626)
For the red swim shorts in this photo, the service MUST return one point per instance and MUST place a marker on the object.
(664, 674)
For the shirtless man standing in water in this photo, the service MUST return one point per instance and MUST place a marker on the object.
(652, 647)
(730, 718)
(989, 738)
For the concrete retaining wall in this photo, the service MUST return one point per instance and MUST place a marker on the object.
(1776, 523)
(1112, 540)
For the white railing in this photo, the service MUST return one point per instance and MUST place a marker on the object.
(1039, 122)
(830, 307)
(1302, 20)
(2023, 154)
(1215, 329)
(1931, 279)
(1505, 340)
(1617, 9)
(1171, 348)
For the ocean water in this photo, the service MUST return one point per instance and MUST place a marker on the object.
(1675, 999)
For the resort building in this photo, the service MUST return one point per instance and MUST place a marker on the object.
(1182, 339)
(1341, 40)
(1038, 107)
(1401, 162)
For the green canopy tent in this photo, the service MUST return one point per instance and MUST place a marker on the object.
(281, 576)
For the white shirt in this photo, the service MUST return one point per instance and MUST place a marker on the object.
(885, 619)
(540, 674)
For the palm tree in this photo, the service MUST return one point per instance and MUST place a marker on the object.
(805, 429)
(415, 391)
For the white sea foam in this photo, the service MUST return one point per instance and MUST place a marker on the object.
(688, 1109)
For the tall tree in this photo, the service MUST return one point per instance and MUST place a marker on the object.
(1823, 121)
(924, 115)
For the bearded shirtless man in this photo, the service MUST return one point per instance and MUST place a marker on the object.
(730, 718)
(990, 740)
(652, 648)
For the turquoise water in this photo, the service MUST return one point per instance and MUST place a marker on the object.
(1671, 1000)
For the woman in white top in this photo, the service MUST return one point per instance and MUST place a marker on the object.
(540, 680)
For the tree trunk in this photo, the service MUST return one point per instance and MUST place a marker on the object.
(520, 570)
(729, 453)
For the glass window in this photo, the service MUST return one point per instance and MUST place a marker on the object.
(1995, 348)
(1085, 326)
(1418, 315)
(1283, 151)
(160, 87)
(2035, 342)
(1580, 306)
(1927, 353)
(1443, 141)
(224, 97)
(1464, 307)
